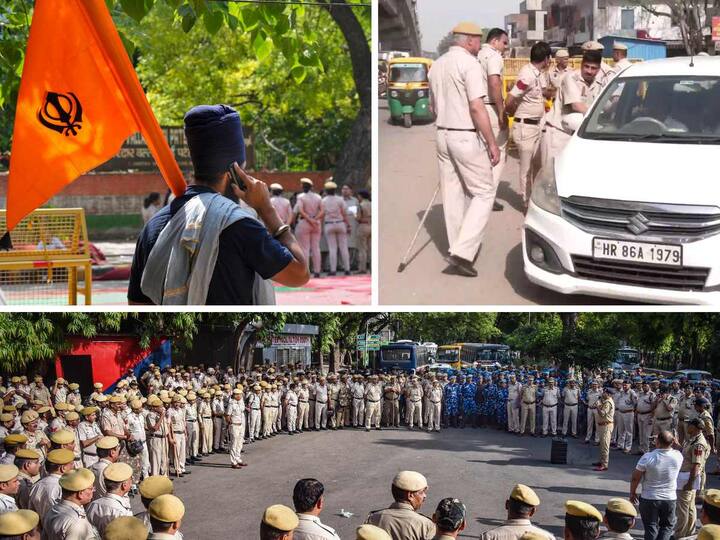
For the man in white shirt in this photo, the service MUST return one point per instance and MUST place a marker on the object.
(657, 471)
(309, 502)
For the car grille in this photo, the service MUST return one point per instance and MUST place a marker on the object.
(642, 220)
(643, 275)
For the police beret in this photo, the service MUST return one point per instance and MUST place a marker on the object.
(524, 494)
(27, 453)
(582, 510)
(237, 392)
(118, 472)
(72, 415)
(621, 506)
(29, 416)
(117, 399)
(15, 439)
(712, 497)
(63, 436)
(77, 480)
(593, 46)
(74, 386)
(709, 532)
(106, 443)
(8, 472)
(468, 28)
(43, 410)
(18, 523)
(136, 404)
(695, 422)
(306, 181)
(167, 508)
(6, 417)
(61, 456)
(154, 486)
(619, 46)
(562, 53)
(450, 514)
(280, 517)
(330, 185)
(276, 186)
(62, 406)
(371, 532)
(9, 408)
(409, 481)
(101, 399)
(126, 528)
(87, 411)
(97, 385)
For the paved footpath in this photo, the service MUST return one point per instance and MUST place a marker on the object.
(479, 466)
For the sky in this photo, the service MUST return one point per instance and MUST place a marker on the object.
(437, 17)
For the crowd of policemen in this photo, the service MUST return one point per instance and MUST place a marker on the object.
(344, 219)
(473, 117)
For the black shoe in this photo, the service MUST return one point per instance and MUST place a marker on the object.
(316, 275)
(497, 207)
(331, 274)
(462, 266)
(347, 273)
(187, 472)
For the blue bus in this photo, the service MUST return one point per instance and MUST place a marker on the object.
(403, 355)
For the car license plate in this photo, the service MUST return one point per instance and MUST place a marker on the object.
(640, 252)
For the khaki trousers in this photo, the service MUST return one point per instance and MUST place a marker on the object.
(372, 414)
(267, 421)
(661, 425)
(592, 426)
(685, 513)
(468, 189)
(549, 415)
(681, 431)
(358, 412)
(255, 423)
(626, 429)
(388, 414)
(501, 138)
(303, 409)
(158, 456)
(309, 239)
(434, 416)
(237, 437)
(179, 452)
(217, 432)
(337, 237)
(291, 418)
(528, 413)
(513, 415)
(364, 245)
(193, 435)
(644, 421)
(527, 140)
(414, 413)
(604, 433)
(320, 415)
(570, 419)
(207, 435)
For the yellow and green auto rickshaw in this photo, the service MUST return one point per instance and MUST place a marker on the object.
(408, 90)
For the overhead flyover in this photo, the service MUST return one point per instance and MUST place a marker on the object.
(399, 26)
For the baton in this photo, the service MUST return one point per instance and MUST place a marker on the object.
(403, 263)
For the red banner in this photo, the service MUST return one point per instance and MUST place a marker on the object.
(716, 28)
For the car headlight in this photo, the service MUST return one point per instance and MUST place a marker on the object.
(393, 93)
(421, 94)
(544, 193)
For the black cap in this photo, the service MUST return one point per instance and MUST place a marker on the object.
(701, 401)
(695, 422)
(450, 514)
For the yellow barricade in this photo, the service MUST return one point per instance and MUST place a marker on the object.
(50, 260)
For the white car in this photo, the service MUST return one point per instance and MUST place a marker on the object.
(631, 208)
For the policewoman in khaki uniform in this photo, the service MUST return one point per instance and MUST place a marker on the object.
(402, 520)
(466, 146)
(281, 204)
(695, 452)
(308, 229)
(337, 228)
(605, 416)
(526, 103)
(528, 405)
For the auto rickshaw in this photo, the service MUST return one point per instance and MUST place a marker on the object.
(408, 90)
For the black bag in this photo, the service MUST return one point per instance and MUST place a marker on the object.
(135, 448)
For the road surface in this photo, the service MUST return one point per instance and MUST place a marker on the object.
(408, 178)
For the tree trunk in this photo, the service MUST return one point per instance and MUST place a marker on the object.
(353, 166)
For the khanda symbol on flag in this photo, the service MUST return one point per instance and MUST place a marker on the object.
(79, 100)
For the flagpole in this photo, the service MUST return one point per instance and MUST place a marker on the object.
(112, 47)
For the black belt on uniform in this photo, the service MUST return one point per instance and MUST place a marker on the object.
(90, 453)
(570, 404)
(629, 410)
(529, 402)
(158, 436)
(549, 406)
(373, 400)
(191, 419)
(179, 432)
(207, 417)
(303, 401)
(415, 400)
(455, 129)
(321, 402)
(666, 418)
(530, 121)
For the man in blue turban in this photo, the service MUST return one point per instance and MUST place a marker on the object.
(204, 247)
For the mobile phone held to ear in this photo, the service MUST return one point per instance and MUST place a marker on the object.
(235, 178)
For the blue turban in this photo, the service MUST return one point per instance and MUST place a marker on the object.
(215, 137)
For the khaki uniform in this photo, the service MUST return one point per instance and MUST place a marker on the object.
(206, 422)
(402, 522)
(219, 427)
(466, 174)
(626, 404)
(158, 445)
(358, 394)
(513, 410)
(605, 415)
(514, 529)
(23, 494)
(236, 425)
(336, 234)
(102, 511)
(68, 521)
(364, 232)
(282, 207)
(308, 235)
(267, 410)
(98, 470)
(373, 394)
(662, 418)
(414, 406)
(311, 528)
(529, 401)
(435, 406)
(571, 398)
(193, 430)
(493, 64)
(391, 405)
(342, 415)
(321, 405)
(253, 401)
(573, 89)
(45, 493)
(86, 431)
(556, 76)
(177, 424)
(695, 451)
(645, 402)
(291, 401)
(550, 400)
(685, 411)
(593, 397)
(303, 408)
(527, 124)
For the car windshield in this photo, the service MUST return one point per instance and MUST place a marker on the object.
(408, 73)
(657, 109)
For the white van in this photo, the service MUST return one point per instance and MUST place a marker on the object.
(631, 207)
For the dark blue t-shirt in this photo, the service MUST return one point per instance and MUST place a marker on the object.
(245, 248)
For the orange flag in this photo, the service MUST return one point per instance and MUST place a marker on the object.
(79, 100)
